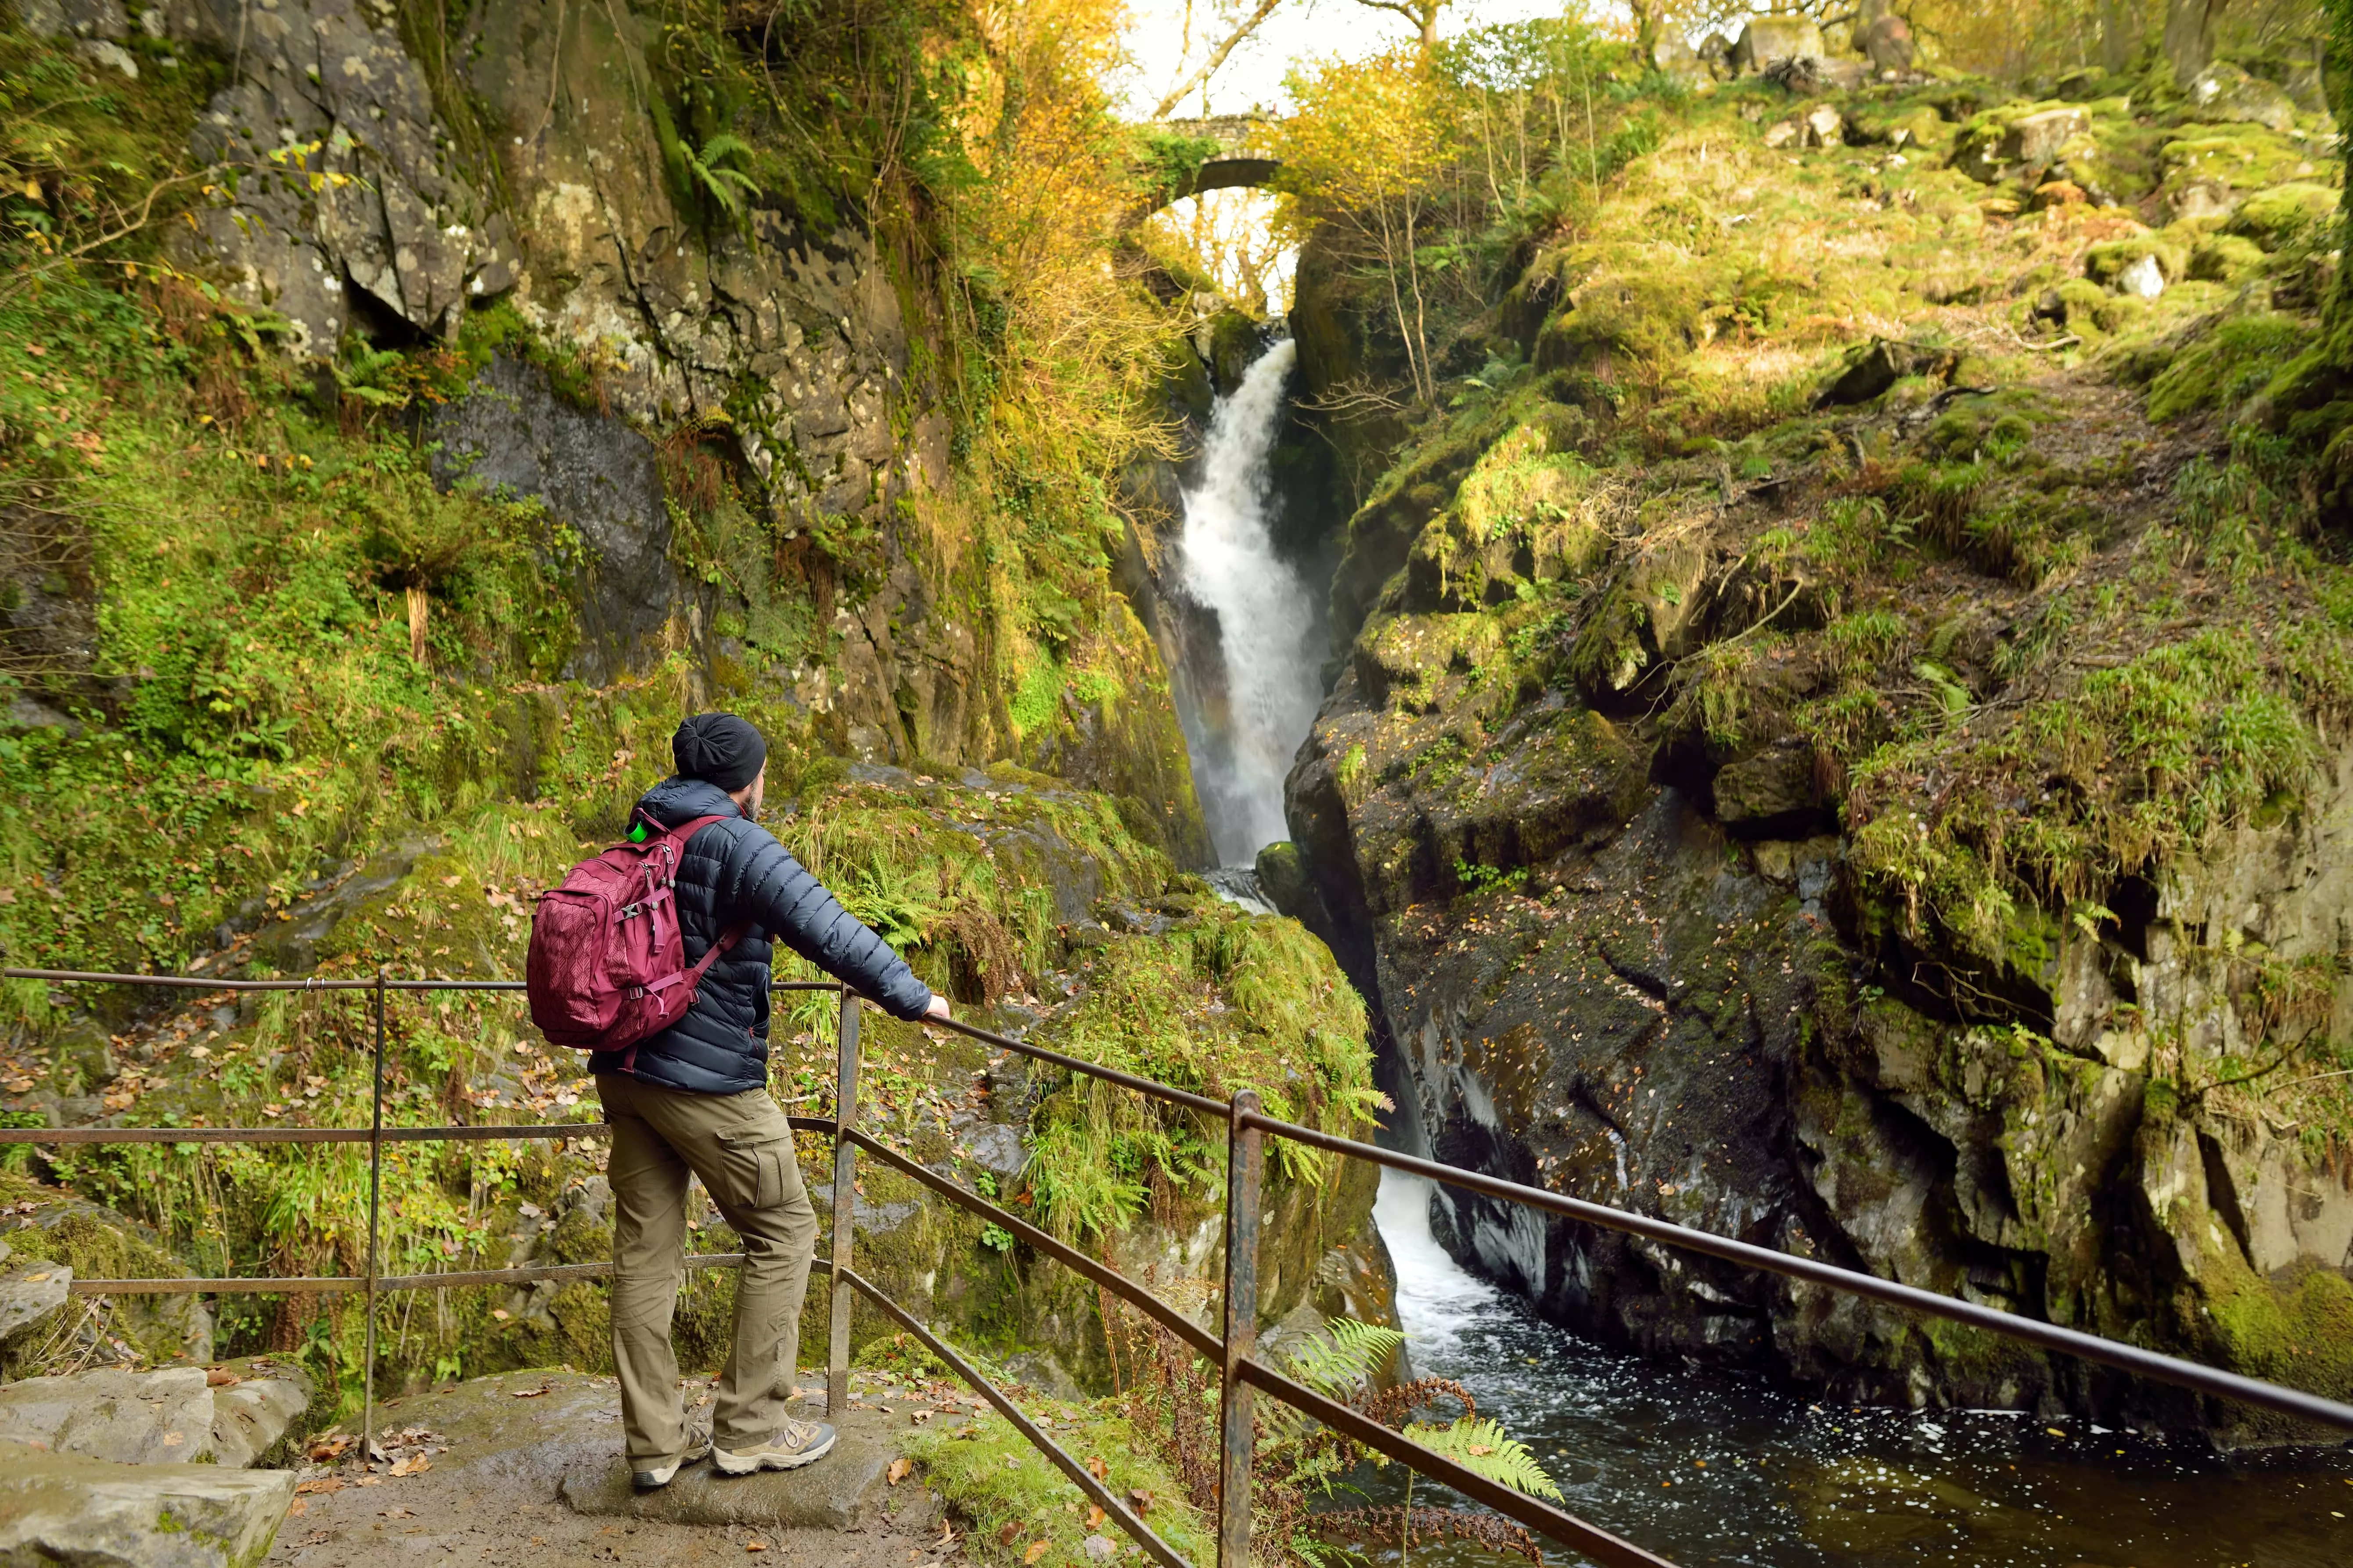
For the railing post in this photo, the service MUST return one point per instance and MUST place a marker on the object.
(376, 1214)
(1245, 1173)
(844, 1208)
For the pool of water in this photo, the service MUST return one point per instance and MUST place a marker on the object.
(1715, 1468)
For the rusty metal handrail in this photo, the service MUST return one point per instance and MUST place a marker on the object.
(2049, 1336)
(1242, 1373)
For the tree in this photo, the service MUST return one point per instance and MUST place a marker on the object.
(1365, 152)
(1422, 14)
(2190, 36)
(1209, 66)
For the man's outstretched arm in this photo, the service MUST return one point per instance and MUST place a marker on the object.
(777, 891)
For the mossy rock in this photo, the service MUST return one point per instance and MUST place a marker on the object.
(2278, 216)
(2073, 304)
(2225, 366)
(2106, 262)
(2236, 158)
(2225, 258)
(2120, 312)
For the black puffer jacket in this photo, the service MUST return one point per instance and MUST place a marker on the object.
(735, 870)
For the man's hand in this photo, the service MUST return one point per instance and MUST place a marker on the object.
(938, 1010)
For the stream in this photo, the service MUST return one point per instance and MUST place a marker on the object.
(1702, 1466)
(1708, 1466)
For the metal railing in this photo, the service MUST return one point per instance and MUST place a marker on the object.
(1242, 1375)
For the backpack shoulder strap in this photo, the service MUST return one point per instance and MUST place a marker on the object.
(733, 934)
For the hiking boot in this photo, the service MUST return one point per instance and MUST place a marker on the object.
(795, 1443)
(653, 1478)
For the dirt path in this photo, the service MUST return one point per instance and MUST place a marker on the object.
(525, 1468)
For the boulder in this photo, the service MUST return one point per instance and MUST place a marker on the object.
(30, 1292)
(69, 1507)
(264, 1401)
(2205, 197)
(2223, 94)
(1886, 39)
(1767, 40)
(1804, 75)
(129, 1417)
(1996, 146)
(2273, 217)
(2143, 278)
(1770, 794)
(1674, 57)
(1881, 366)
(1823, 126)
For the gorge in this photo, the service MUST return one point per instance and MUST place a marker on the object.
(1773, 623)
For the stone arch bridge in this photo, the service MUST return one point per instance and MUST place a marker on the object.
(1222, 152)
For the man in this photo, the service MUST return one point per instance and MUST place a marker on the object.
(694, 1098)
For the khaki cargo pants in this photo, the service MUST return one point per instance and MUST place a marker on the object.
(743, 1149)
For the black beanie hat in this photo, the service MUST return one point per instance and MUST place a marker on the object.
(720, 749)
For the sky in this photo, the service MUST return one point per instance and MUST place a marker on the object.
(1299, 31)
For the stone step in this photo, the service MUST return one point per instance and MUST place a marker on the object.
(176, 1416)
(70, 1508)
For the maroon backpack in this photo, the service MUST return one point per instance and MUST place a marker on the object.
(608, 966)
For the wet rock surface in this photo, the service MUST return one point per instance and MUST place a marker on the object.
(528, 1468)
(71, 1508)
(227, 1417)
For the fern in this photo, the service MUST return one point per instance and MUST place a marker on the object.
(1479, 1444)
(1342, 1359)
(708, 171)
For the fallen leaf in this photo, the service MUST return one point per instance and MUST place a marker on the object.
(1037, 1549)
(899, 1468)
(298, 1507)
(219, 1377)
(1140, 1500)
(1480, 1450)
(755, 1546)
(1097, 1468)
(321, 1484)
(533, 1393)
(1005, 1536)
(1094, 1515)
(2054, 1431)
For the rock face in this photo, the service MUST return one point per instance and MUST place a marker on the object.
(595, 476)
(62, 1508)
(383, 194)
(1629, 964)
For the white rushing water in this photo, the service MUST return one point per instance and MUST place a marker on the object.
(1437, 1299)
(1265, 617)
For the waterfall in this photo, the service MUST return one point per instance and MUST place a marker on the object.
(1227, 565)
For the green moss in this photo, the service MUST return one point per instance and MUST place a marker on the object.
(2285, 214)
(2225, 258)
(993, 1479)
(2226, 365)
(2105, 262)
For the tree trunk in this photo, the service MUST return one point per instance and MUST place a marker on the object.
(2119, 36)
(2190, 36)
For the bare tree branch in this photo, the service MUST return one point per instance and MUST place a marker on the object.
(1208, 69)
